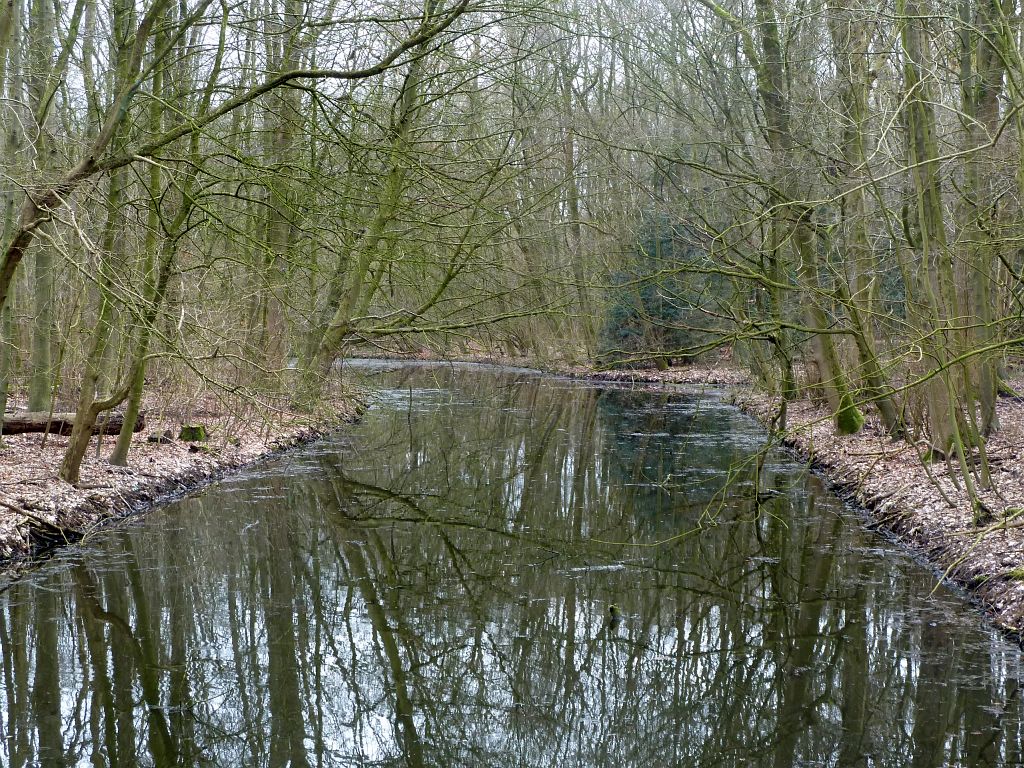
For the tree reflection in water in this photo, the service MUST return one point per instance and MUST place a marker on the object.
(435, 591)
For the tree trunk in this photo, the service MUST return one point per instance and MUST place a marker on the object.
(794, 215)
(941, 341)
(41, 36)
(851, 38)
(982, 74)
(111, 255)
(351, 291)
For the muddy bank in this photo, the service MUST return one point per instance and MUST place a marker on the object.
(38, 511)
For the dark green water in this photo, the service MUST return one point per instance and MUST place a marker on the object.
(434, 589)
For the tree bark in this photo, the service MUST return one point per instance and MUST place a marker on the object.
(941, 341)
(851, 38)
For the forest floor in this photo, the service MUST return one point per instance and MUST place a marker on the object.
(38, 510)
(922, 506)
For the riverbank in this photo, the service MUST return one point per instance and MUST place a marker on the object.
(38, 510)
(924, 507)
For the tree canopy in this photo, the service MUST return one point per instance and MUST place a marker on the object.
(240, 193)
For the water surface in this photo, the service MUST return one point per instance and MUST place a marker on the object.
(435, 588)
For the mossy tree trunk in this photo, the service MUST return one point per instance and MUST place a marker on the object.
(940, 337)
(787, 199)
(794, 215)
(42, 76)
(89, 407)
(110, 257)
(137, 376)
(983, 68)
(40, 39)
(10, 74)
(284, 49)
(851, 40)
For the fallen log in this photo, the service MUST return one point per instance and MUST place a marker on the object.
(62, 423)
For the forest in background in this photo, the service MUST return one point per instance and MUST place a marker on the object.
(233, 195)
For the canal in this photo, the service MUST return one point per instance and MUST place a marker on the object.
(498, 568)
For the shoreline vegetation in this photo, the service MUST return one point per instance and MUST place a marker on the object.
(920, 506)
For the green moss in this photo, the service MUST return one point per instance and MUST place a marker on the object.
(1016, 573)
(849, 419)
(1004, 388)
(193, 433)
(983, 514)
